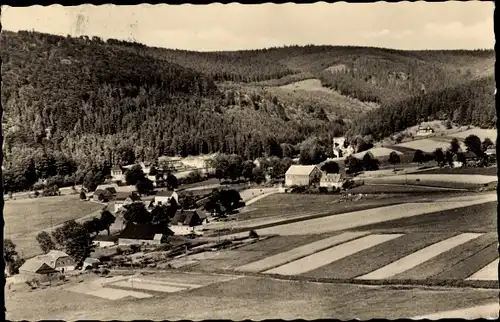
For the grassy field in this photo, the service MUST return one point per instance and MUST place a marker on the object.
(489, 171)
(476, 218)
(25, 218)
(249, 298)
(426, 145)
(381, 188)
(481, 133)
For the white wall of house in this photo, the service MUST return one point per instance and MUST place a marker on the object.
(161, 199)
(329, 184)
(180, 230)
(297, 180)
(66, 263)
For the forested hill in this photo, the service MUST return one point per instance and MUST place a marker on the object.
(93, 101)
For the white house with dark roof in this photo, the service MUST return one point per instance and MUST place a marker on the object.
(58, 260)
(302, 175)
(331, 180)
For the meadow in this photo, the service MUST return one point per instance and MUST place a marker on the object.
(25, 218)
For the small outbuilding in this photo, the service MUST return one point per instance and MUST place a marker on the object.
(150, 234)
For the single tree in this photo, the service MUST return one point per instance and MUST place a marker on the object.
(394, 159)
(172, 208)
(449, 158)
(454, 146)
(247, 169)
(330, 167)
(172, 182)
(144, 186)
(159, 215)
(137, 213)
(187, 201)
(83, 196)
(370, 163)
(461, 158)
(45, 241)
(439, 157)
(153, 171)
(473, 144)
(107, 219)
(134, 175)
(10, 256)
(353, 165)
(93, 226)
(259, 175)
(419, 157)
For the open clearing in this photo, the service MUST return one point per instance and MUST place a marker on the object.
(481, 133)
(427, 145)
(489, 171)
(25, 218)
(377, 153)
(445, 178)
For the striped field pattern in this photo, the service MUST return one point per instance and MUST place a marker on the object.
(366, 256)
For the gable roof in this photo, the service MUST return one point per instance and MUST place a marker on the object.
(304, 170)
(104, 192)
(35, 265)
(164, 193)
(106, 238)
(187, 217)
(116, 168)
(144, 231)
(106, 186)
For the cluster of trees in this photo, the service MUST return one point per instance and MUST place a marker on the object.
(466, 104)
(221, 202)
(234, 167)
(11, 257)
(76, 239)
(453, 153)
(367, 163)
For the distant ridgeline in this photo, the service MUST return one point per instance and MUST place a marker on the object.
(92, 101)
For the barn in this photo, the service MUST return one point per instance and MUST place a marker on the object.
(302, 175)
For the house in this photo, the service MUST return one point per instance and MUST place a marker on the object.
(34, 268)
(113, 188)
(424, 130)
(125, 198)
(491, 151)
(149, 234)
(189, 218)
(331, 180)
(302, 175)
(103, 241)
(117, 174)
(163, 197)
(58, 260)
(90, 263)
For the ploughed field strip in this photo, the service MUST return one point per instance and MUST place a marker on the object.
(370, 257)
(121, 287)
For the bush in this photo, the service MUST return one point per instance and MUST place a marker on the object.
(253, 234)
(323, 190)
(119, 251)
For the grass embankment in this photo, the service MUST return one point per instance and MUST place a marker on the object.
(25, 218)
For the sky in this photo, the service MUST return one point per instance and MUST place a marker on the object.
(403, 25)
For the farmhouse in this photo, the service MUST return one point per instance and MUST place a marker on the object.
(149, 234)
(103, 241)
(302, 175)
(331, 180)
(125, 198)
(113, 188)
(58, 260)
(163, 197)
(184, 222)
(34, 268)
(424, 130)
(117, 174)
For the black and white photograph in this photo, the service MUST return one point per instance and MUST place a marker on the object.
(249, 161)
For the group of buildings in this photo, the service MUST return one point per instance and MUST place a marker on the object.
(307, 175)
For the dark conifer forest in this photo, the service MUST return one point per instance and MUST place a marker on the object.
(74, 105)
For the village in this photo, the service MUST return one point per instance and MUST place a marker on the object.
(183, 215)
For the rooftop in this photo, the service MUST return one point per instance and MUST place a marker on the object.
(300, 169)
(144, 231)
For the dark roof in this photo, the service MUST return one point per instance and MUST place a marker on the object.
(106, 238)
(116, 168)
(187, 217)
(104, 192)
(164, 193)
(35, 265)
(144, 231)
(122, 196)
(470, 155)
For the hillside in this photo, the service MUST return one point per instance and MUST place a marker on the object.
(66, 99)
